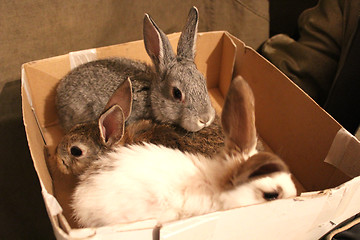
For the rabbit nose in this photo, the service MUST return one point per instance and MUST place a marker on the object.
(205, 120)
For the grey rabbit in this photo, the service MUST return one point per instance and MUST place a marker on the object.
(175, 93)
(84, 142)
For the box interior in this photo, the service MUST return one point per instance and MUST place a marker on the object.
(287, 120)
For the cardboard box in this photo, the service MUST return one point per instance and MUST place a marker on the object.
(323, 157)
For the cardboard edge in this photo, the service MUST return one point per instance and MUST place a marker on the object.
(26, 90)
(119, 230)
(229, 49)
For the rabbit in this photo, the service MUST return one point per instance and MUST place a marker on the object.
(85, 141)
(206, 141)
(173, 92)
(148, 181)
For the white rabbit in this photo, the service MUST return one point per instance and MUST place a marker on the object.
(148, 181)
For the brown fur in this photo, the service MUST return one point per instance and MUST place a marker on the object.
(238, 118)
(208, 141)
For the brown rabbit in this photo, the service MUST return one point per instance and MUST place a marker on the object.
(86, 141)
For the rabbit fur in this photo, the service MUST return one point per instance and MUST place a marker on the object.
(86, 141)
(174, 92)
(148, 181)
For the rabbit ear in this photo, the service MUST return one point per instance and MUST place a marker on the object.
(258, 165)
(157, 44)
(111, 125)
(186, 45)
(238, 117)
(122, 97)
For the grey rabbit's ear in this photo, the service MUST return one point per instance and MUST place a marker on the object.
(238, 117)
(123, 97)
(157, 44)
(258, 165)
(111, 125)
(187, 41)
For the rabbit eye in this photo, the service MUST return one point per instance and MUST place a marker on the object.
(76, 151)
(269, 196)
(177, 93)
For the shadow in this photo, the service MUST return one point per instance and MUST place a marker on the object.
(23, 214)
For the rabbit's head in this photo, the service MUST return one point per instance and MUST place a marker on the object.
(86, 141)
(263, 177)
(179, 94)
(251, 177)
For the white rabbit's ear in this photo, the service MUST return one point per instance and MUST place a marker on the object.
(111, 125)
(260, 164)
(157, 44)
(187, 41)
(123, 97)
(238, 117)
(265, 163)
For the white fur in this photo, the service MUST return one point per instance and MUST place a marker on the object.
(149, 181)
(146, 182)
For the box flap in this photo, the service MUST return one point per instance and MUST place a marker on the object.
(138, 230)
(307, 217)
(238, 223)
(350, 200)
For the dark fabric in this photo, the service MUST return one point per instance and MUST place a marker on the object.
(343, 101)
(323, 60)
(22, 210)
(348, 230)
(284, 16)
(350, 234)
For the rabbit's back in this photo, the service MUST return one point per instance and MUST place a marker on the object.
(207, 141)
(83, 93)
(137, 183)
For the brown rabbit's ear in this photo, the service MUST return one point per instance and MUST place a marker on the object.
(187, 41)
(258, 165)
(111, 125)
(122, 97)
(157, 44)
(238, 117)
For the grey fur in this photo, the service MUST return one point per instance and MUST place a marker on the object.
(83, 93)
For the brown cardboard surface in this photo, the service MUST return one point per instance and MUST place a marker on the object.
(36, 143)
(293, 125)
(289, 123)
